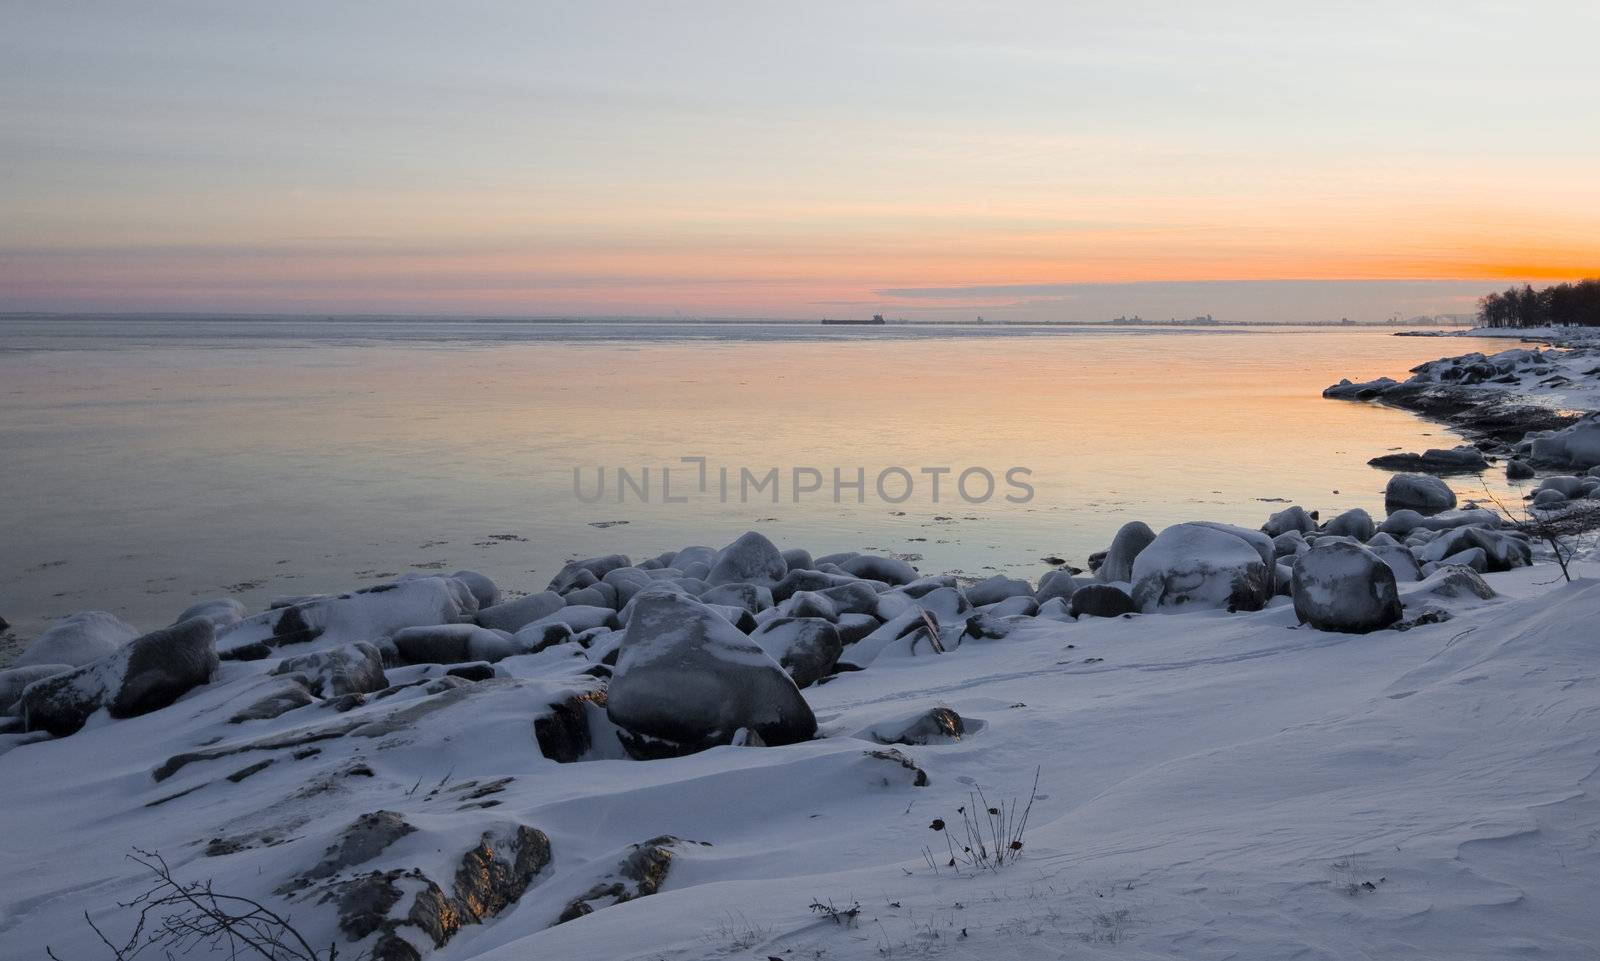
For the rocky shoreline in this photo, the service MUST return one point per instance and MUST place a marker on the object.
(416, 751)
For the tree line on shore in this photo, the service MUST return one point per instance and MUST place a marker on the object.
(1565, 305)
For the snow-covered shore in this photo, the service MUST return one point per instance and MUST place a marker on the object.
(439, 768)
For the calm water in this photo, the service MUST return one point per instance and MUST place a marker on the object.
(149, 463)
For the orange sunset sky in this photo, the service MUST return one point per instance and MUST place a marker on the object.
(927, 160)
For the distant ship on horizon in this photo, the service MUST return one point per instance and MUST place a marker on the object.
(876, 319)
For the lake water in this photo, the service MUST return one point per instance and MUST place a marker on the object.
(150, 462)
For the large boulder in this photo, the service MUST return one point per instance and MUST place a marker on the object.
(1057, 583)
(1341, 586)
(1355, 523)
(1100, 600)
(889, 570)
(1422, 493)
(144, 675)
(78, 639)
(222, 612)
(687, 677)
(1130, 539)
(1198, 565)
(752, 559)
(353, 669)
(1289, 519)
(996, 589)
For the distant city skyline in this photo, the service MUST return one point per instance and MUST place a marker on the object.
(1023, 161)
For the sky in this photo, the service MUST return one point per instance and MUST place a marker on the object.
(929, 160)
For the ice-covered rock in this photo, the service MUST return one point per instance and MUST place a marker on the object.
(1454, 582)
(370, 614)
(1355, 523)
(599, 594)
(1340, 586)
(751, 559)
(454, 644)
(687, 677)
(1422, 493)
(806, 647)
(809, 604)
(1289, 543)
(1503, 550)
(482, 588)
(1130, 539)
(144, 675)
(514, 615)
(752, 597)
(1058, 584)
(1289, 519)
(939, 725)
(222, 612)
(14, 680)
(1399, 557)
(582, 573)
(997, 588)
(1197, 565)
(78, 639)
(352, 669)
(579, 617)
(1576, 447)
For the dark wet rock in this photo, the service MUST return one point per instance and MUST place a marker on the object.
(1464, 459)
(1117, 564)
(1355, 523)
(144, 675)
(564, 734)
(935, 726)
(453, 644)
(351, 669)
(286, 695)
(1344, 587)
(1100, 600)
(985, 626)
(476, 671)
(689, 677)
(806, 647)
(639, 875)
(889, 570)
(1517, 469)
(1422, 493)
(1366, 390)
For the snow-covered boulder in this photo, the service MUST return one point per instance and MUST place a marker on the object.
(1355, 523)
(1575, 448)
(144, 675)
(222, 612)
(1130, 539)
(809, 604)
(688, 678)
(1289, 543)
(1289, 519)
(370, 614)
(14, 680)
(78, 639)
(1422, 493)
(1058, 583)
(352, 669)
(889, 570)
(1197, 565)
(1100, 600)
(751, 559)
(806, 647)
(482, 588)
(1341, 586)
(454, 644)
(1399, 557)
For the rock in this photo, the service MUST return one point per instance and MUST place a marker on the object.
(1130, 539)
(1517, 469)
(1455, 582)
(796, 559)
(572, 575)
(351, 669)
(1503, 550)
(1474, 557)
(285, 696)
(514, 615)
(1289, 519)
(806, 647)
(1397, 556)
(750, 559)
(810, 581)
(1200, 565)
(366, 838)
(564, 735)
(939, 725)
(907, 634)
(14, 680)
(1366, 390)
(595, 595)
(1100, 600)
(370, 614)
(1355, 523)
(474, 671)
(483, 589)
(752, 597)
(988, 626)
(639, 875)
(854, 627)
(809, 604)
(578, 617)
(1056, 584)
(222, 612)
(1576, 447)
(1023, 606)
(1422, 493)
(852, 598)
(688, 677)
(889, 570)
(1289, 543)
(1344, 587)
(77, 639)
(737, 616)
(144, 675)
(626, 581)
(1464, 459)
(1549, 498)
(998, 588)
(454, 644)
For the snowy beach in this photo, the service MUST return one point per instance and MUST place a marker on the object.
(1347, 734)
